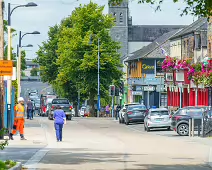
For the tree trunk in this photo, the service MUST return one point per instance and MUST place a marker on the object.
(76, 110)
(91, 104)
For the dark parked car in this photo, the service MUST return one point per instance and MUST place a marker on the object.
(64, 104)
(180, 120)
(135, 113)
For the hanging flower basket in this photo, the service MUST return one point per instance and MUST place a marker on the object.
(199, 73)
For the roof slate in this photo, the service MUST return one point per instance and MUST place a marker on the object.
(147, 49)
(149, 33)
(198, 25)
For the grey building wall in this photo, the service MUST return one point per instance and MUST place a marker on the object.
(119, 32)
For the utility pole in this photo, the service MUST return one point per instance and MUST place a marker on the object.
(1, 58)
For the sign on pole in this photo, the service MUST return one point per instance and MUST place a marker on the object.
(6, 67)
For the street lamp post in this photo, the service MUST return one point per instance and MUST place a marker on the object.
(19, 59)
(98, 87)
(9, 81)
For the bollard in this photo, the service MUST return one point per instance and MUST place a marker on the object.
(199, 129)
(189, 124)
(192, 124)
(202, 127)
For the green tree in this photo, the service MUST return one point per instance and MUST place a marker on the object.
(77, 59)
(193, 7)
(34, 72)
(47, 56)
(23, 60)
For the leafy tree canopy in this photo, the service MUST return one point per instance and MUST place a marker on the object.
(193, 7)
(70, 62)
(34, 72)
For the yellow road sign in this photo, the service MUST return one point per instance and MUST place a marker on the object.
(6, 68)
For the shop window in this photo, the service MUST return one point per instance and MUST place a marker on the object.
(163, 99)
(198, 42)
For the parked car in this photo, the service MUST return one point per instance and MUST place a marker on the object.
(82, 111)
(33, 92)
(73, 112)
(157, 118)
(135, 113)
(180, 120)
(123, 111)
(64, 104)
(37, 104)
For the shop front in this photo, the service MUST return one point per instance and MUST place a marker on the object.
(183, 92)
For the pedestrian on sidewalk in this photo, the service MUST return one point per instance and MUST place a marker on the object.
(29, 109)
(118, 108)
(19, 119)
(59, 121)
(107, 110)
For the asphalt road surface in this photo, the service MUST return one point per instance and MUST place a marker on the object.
(40, 86)
(104, 144)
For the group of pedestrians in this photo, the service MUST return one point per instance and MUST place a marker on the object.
(18, 124)
(108, 110)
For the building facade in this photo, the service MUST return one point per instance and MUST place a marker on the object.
(145, 75)
(190, 43)
(133, 37)
(30, 65)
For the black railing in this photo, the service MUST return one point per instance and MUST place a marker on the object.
(207, 124)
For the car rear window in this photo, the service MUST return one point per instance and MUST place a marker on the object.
(60, 101)
(156, 113)
(194, 112)
(137, 108)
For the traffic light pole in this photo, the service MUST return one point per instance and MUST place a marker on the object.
(112, 106)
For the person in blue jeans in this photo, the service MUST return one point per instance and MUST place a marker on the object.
(59, 121)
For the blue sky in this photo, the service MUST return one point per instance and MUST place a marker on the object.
(50, 12)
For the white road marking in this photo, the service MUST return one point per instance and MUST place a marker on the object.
(32, 163)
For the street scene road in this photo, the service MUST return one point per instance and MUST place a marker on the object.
(92, 143)
(105, 85)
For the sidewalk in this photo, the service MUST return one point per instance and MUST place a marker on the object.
(34, 134)
(22, 151)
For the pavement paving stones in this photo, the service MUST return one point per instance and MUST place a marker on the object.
(103, 144)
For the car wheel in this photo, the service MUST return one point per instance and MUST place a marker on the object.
(49, 118)
(147, 129)
(126, 122)
(183, 130)
(68, 117)
(144, 128)
(120, 120)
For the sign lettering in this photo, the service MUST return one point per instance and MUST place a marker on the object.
(147, 67)
(6, 68)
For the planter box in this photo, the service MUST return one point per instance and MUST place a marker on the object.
(18, 166)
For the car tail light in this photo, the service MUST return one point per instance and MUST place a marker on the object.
(52, 107)
(177, 117)
(70, 107)
(129, 113)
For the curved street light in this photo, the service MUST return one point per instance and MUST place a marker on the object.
(9, 81)
(29, 45)
(30, 4)
(19, 58)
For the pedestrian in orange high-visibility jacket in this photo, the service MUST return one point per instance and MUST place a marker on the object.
(19, 119)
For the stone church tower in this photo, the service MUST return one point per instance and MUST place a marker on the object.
(119, 32)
